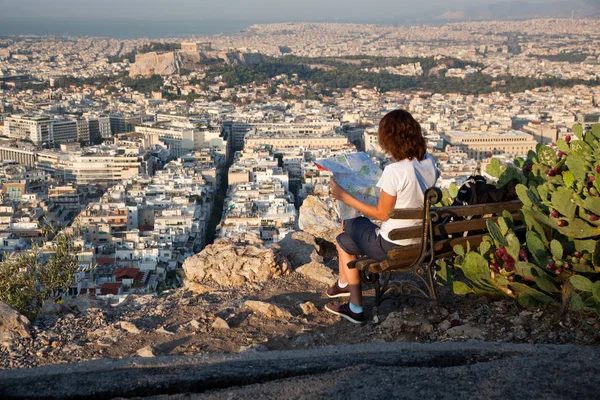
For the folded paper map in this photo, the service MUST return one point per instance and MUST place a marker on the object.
(357, 175)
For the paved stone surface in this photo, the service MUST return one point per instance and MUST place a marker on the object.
(472, 370)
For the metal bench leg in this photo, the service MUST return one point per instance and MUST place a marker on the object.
(378, 294)
(431, 288)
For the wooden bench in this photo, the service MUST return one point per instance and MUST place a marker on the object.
(441, 230)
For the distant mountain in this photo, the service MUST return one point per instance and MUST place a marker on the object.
(519, 9)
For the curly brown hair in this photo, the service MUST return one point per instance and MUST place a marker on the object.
(401, 136)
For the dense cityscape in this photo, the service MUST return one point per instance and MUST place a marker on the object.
(147, 151)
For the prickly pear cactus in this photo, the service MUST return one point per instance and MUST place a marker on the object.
(559, 258)
(448, 195)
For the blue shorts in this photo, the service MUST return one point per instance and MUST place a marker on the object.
(360, 238)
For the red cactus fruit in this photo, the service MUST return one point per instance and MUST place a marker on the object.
(510, 267)
(523, 255)
(562, 223)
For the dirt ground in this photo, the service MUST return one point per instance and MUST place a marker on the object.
(178, 322)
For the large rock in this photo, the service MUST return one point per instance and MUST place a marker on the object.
(129, 327)
(299, 248)
(154, 63)
(268, 310)
(239, 58)
(51, 308)
(234, 262)
(84, 303)
(79, 304)
(466, 331)
(318, 272)
(12, 324)
(319, 218)
(146, 352)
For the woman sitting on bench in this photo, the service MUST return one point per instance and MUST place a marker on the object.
(403, 184)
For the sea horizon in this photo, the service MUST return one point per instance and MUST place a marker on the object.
(118, 29)
(155, 29)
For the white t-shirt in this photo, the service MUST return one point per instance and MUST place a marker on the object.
(407, 180)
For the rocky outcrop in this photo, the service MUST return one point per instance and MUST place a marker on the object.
(299, 248)
(319, 218)
(234, 262)
(12, 324)
(170, 63)
(239, 58)
(154, 63)
(318, 272)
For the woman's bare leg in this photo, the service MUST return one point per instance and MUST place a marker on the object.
(342, 277)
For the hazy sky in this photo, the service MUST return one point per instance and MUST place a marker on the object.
(222, 10)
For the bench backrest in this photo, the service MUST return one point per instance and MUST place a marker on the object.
(445, 227)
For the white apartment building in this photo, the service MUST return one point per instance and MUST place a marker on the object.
(329, 140)
(37, 129)
(41, 130)
(265, 209)
(109, 167)
(480, 145)
(371, 141)
(236, 132)
(183, 138)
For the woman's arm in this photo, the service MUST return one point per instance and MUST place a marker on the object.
(379, 212)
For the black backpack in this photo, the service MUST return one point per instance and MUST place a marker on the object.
(476, 190)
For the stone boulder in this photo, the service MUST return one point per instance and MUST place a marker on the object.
(466, 331)
(318, 272)
(268, 310)
(319, 218)
(84, 303)
(51, 308)
(299, 248)
(79, 304)
(13, 324)
(234, 262)
(148, 64)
